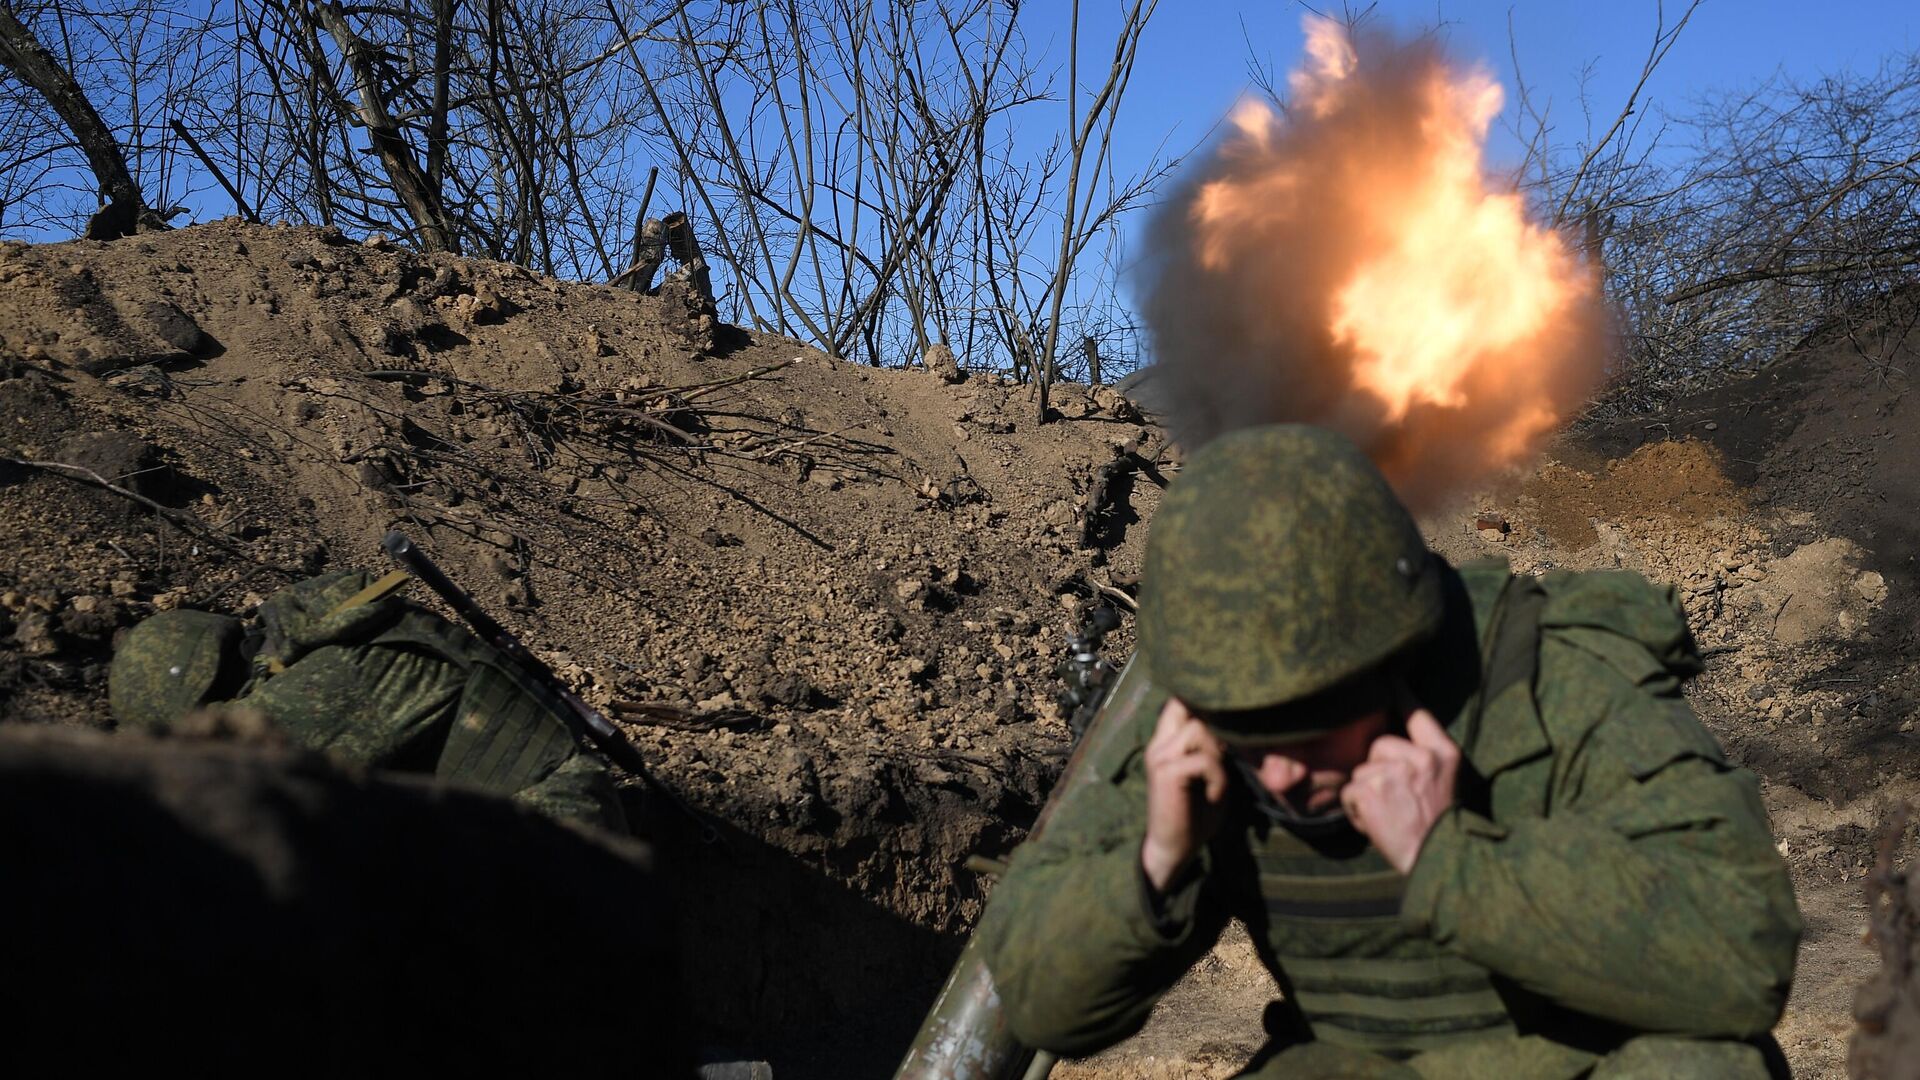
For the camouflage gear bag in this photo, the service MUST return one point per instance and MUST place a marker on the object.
(344, 667)
(173, 663)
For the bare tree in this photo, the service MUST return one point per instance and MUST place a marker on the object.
(864, 174)
(411, 180)
(1075, 228)
(864, 188)
(1788, 210)
(1731, 232)
(30, 62)
(482, 126)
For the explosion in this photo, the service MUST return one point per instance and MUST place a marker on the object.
(1352, 263)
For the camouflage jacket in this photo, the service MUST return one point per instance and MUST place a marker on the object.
(391, 685)
(1603, 900)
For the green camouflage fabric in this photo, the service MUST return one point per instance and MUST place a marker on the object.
(1604, 901)
(1280, 566)
(388, 684)
(505, 742)
(171, 664)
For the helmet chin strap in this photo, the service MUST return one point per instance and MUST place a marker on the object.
(1277, 811)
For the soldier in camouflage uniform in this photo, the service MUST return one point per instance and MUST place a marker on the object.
(342, 666)
(1470, 822)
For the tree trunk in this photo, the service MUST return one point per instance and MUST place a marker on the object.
(23, 55)
(649, 251)
(410, 181)
(442, 77)
(686, 251)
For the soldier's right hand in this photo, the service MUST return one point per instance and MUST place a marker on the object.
(1186, 793)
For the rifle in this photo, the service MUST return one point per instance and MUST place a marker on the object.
(585, 721)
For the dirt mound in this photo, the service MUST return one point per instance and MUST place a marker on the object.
(1826, 448)
(825, 600)
(1681, 481)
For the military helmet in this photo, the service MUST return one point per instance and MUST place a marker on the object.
(1281, 568)
(171, 664)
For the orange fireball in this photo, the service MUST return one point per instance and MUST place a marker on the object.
(1354, 263)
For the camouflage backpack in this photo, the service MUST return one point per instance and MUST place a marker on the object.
(1632, 626)
(343, 666)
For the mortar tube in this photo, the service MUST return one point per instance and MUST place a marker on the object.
(965, 1035)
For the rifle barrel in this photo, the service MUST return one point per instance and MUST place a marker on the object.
(597, 728)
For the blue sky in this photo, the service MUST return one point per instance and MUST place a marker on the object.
(1193, 64)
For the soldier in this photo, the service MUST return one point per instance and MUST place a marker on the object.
(339, 664)
(1472, 826)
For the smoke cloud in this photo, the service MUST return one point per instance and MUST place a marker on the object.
(1352, 264)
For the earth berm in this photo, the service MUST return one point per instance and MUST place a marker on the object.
(826, 600)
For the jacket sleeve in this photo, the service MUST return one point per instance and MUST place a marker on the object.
(1649, 894)
(580, 789)
(1077, 951)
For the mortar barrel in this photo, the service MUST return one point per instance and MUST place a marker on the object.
(965, 1035)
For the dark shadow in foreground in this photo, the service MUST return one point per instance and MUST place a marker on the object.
(219, 907)
(785, 963)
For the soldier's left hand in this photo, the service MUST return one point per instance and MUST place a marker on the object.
(1403, 787)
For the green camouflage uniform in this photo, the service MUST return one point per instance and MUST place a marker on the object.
(1604, 899)
(382, 684)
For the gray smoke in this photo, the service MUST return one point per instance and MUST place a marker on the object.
(1243, 336)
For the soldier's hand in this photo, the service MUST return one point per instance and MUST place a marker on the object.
(1403, 787)
(1186, 793)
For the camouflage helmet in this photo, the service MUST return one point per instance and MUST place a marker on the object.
(1281, 566)
(171, 664)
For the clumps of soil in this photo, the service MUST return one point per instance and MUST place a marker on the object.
(1823, 593)
(825, 600)
(1680, 481)
(1786, 596)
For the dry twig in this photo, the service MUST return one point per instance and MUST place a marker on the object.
(186, 523)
